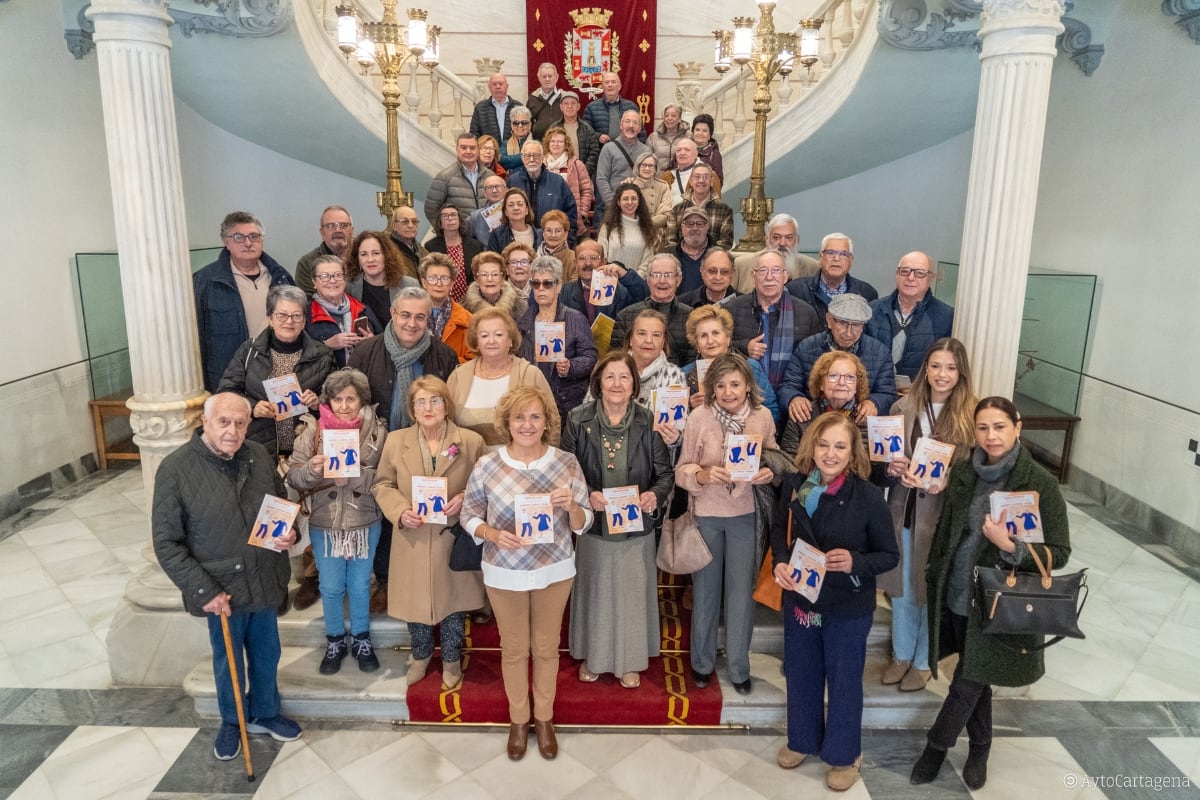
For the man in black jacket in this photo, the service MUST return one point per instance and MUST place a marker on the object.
(207, 496)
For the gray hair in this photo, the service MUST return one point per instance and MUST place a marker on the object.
(544, 264)
(235, 218)
(779, 220)
(329, 258)
(828, 236)
(675, 106)
(545, 64)
(521, 112)
(287, 292)
(211, 401)
(338, 380)
(716, 251)
(683, 141)
(669, 258)
(437, 260)
(337, 208)
(411, 293)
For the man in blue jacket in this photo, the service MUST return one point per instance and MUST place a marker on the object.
(846, 318)
(911, 319)
(231, 294)
(834, 278)
(546, 190)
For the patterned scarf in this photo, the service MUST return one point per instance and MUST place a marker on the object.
(405, 361)
(779, 352)
(734, 423)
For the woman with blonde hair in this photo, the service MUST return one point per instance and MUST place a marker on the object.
(478, 384)
(941, 406)
(528, 583)
(829, 505)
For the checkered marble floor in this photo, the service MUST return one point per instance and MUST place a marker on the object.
(1117, 715)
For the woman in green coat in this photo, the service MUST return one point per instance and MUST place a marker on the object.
(967, 537)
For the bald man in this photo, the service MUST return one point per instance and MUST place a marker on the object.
(492, 114)
(605, 112)
(911, 319)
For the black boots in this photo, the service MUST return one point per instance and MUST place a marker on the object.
(974, 772)
(364, 652)
(334, 653)
(928, 765)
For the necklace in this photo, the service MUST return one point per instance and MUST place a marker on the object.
(487, 377)
(611, 448)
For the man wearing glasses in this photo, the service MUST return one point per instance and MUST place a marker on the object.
(337, 231)
(911, 318)
(767, 321)
(405, 227)
(836, 258)
(846, 318)
(701, 194)
(546, 190)
(231, 294)
(689, 240)
(662, 277)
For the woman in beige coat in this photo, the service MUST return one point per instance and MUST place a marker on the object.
(425, 591)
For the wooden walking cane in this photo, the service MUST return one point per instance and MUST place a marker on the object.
(237, 697)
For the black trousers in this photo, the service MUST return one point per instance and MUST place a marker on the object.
(383, 553)
(968, 704)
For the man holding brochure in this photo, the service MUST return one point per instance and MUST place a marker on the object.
(207, 496)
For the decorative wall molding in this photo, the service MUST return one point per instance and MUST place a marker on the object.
(1076, 44)
(242, 19)
(1188, 13)
(909, 25)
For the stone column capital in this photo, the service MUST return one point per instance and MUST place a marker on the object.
(144, 21)
(1020, 27)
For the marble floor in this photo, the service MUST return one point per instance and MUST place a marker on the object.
(1117, 715)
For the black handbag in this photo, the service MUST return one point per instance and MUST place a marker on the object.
(465, 555)
(1037, 604)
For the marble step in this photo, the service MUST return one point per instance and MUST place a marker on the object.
(352, 695)
(307, 629)
(380, 696)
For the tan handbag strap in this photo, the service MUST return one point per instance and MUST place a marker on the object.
(1043, 569)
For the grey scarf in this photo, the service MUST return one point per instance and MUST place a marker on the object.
(340, 311)
(403, 359)
(991, 479)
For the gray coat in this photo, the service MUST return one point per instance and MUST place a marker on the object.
(451, 184)
(201, 522)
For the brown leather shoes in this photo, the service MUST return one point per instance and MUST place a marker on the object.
(518, 740)
(547, 742)
(379, 600)
(308, 593)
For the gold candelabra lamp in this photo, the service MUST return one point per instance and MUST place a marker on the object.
(767, 53)
(390, 46)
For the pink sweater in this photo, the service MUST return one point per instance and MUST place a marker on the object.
(704, 446)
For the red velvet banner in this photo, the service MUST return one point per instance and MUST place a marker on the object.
(584, 41)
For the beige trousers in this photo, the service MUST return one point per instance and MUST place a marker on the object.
(530, 624)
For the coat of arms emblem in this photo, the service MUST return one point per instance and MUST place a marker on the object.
(590, 49)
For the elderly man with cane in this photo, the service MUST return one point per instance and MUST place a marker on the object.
(207, 495)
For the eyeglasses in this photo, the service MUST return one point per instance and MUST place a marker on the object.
(406, 221)
(448, 215)
(664, 276)
(904, 272)
(518, 262)
(279, 316)
(329, 277)
(548, 284)
(770, 272)
(841, 323)
(438, 279)
(245, 237)
(695, 223)
(531, 156)
(337, 226)
(837, 253)
(405, 316)
(841, 377)
(495, 187)
(431, 402)
(516, 122)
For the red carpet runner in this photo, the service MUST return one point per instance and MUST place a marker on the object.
(667, 695)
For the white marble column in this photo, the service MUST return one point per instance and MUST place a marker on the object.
(1010, 120)
(133, 52)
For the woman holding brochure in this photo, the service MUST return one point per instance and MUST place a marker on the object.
(647, 343)
(724, 512)
(283, 350)
(940, 406)
(830, 537)
(343, 518)
(614, 606)
(422, 476)
(967, 536)
(564, 352)
(839, 382)
(525, 502)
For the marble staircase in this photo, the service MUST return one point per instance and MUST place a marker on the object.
(380, 696)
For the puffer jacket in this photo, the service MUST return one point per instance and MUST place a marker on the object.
(333, 507)
(201, 523)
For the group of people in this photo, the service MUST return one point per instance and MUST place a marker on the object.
(481, 358)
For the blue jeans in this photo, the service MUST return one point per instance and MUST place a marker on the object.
(345, 576)
(255, 638)
(815, 656)
(910, 621)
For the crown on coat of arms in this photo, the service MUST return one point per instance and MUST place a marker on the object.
(591, 16)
